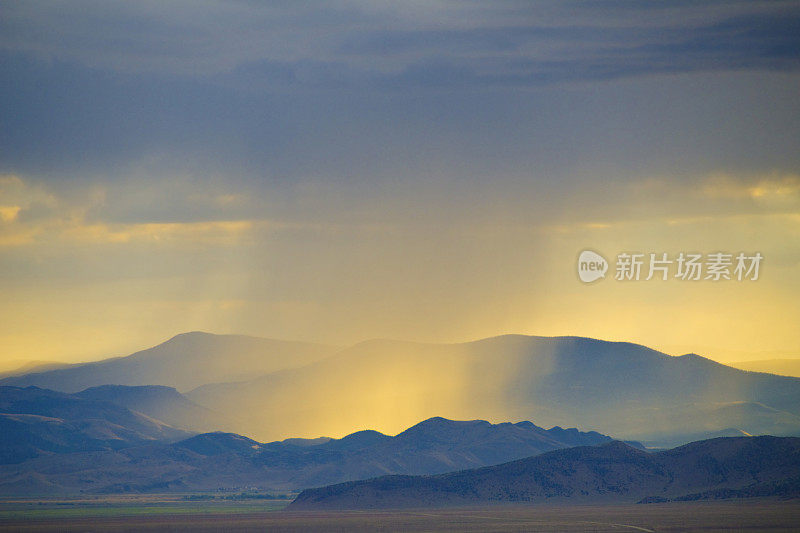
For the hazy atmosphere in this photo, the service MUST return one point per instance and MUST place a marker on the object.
(446, 265)
(424, 171)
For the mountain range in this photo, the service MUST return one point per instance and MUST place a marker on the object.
(184, 362)
(624, 389)
(122, 424)
(612, 472)
(59, 443)
(38, 422)
(273, 390)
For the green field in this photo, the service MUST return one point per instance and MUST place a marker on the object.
(178, 514)
(90, 508)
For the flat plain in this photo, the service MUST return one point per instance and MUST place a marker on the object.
(174, 514)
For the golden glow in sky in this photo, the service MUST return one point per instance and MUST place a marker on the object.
(100, 289)
(372, 170)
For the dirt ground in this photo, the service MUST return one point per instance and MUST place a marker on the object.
(691, 516)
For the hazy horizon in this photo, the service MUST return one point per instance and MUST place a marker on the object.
(14, 364)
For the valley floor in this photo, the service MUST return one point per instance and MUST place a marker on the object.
(153, 514)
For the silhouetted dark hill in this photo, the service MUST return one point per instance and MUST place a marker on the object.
(628, 390)
(23, 437)
(464, 444)
(160, 402)
(718, 468)
(38, 422)
(218, 443)
(357, 441)
(213, 460)
(184, 362)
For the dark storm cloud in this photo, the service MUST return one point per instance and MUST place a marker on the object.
(358, 42)
(354, 92)
(509, 56)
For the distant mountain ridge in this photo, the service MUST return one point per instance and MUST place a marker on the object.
(213, 460)
(612, 472)
(29, 367)
(163, 403)
(184, 362)
(273, 390)
(38, 422)
(781, 367)
(625, 389)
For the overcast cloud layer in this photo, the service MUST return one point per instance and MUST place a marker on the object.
(359, 89)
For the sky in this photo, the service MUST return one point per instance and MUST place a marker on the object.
(346, 170)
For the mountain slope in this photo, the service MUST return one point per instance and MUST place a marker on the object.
(213, 460)
(28, 367)
(725, 467)
(163, 403)
(781, 367)
(36, 422)
(184, 362)
(628, 390)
